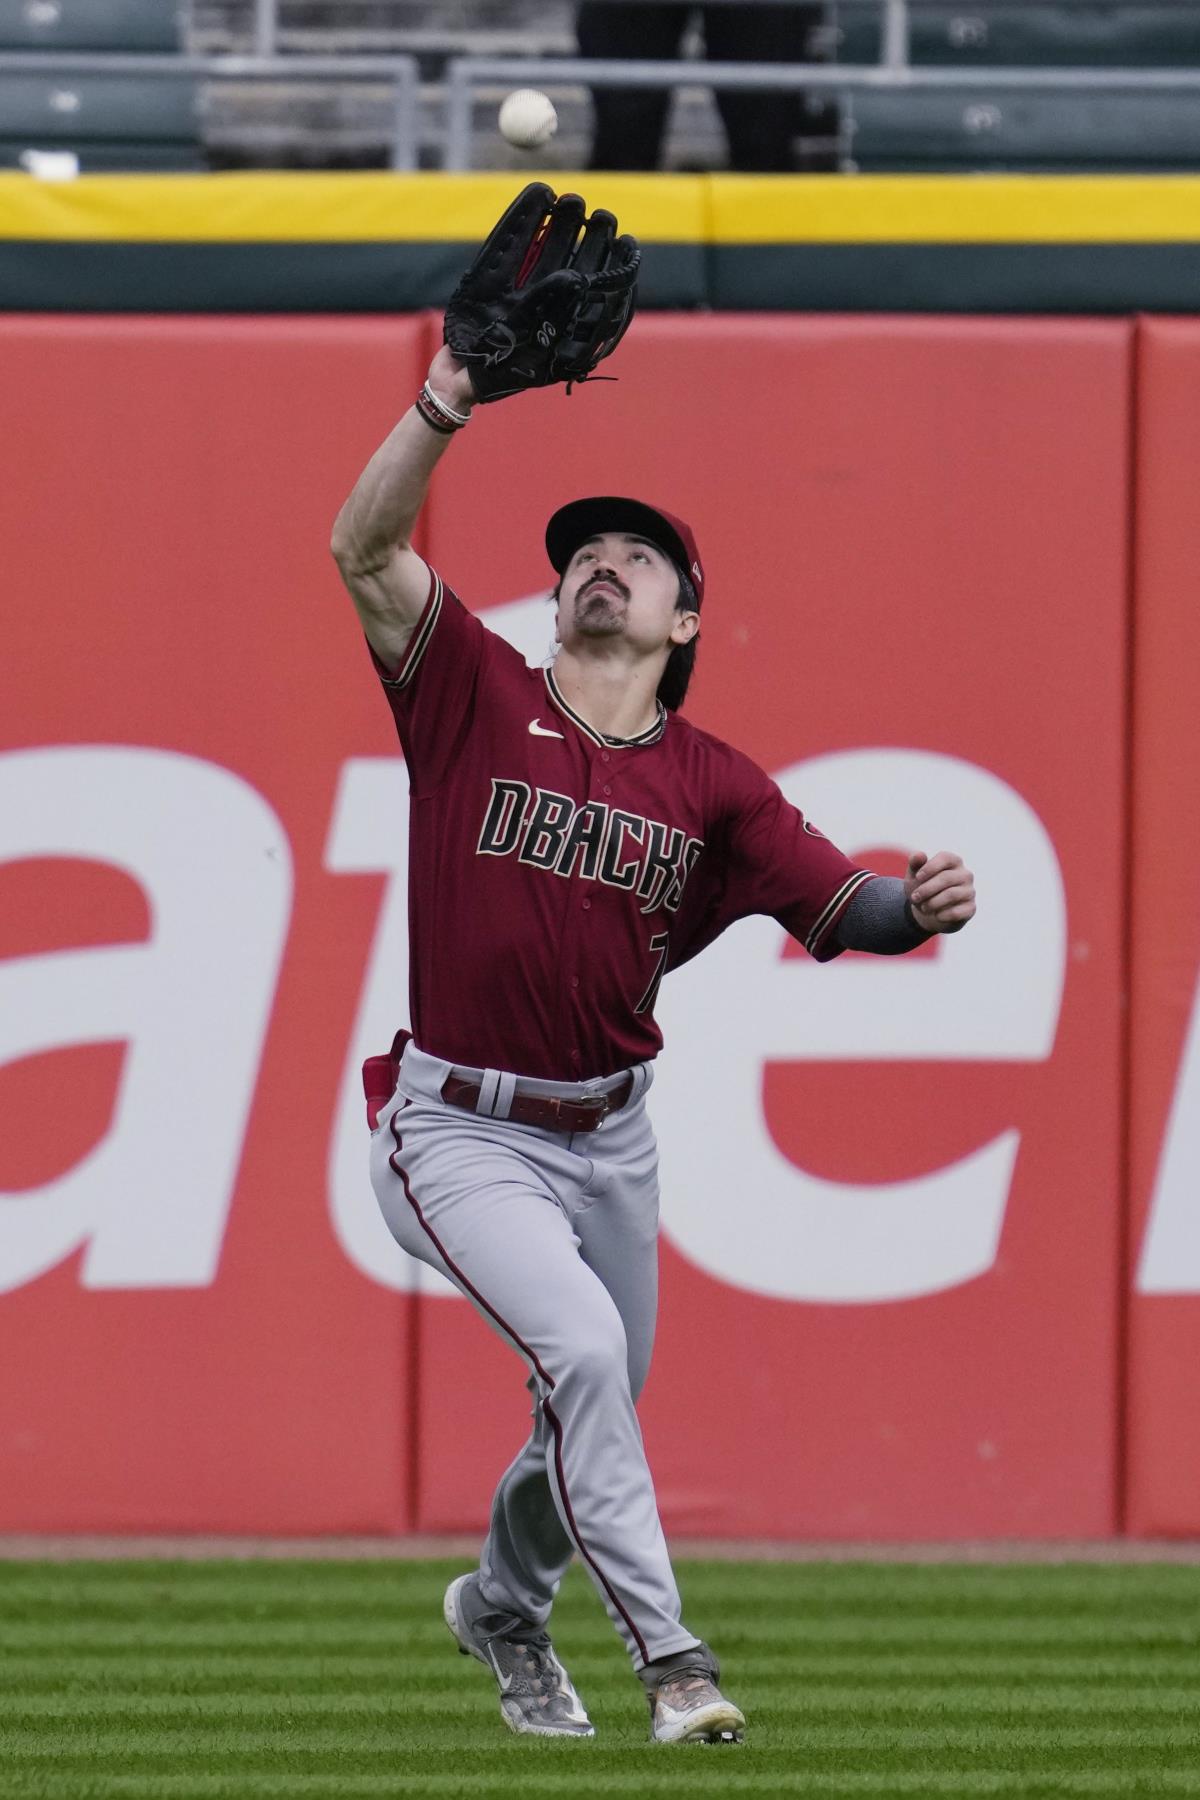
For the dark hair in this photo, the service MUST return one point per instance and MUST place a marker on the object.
(676, 677)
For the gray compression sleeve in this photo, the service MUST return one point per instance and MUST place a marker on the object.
(878, 919)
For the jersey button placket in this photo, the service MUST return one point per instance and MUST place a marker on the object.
(601, 771)
(585, 904)
(569, 950)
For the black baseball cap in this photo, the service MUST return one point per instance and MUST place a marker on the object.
(580, 520)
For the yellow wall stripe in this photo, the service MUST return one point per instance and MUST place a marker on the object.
(674, 209)
(315, 208)
(992, 209)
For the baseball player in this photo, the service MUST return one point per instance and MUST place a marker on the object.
(573, 839)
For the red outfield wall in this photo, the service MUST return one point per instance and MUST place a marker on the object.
(895, 1244)
(1164, 1336)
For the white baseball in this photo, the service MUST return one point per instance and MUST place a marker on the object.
(528, 119)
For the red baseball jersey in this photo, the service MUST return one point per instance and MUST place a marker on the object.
(556, 874)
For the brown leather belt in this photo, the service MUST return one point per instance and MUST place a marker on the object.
(545, 1110)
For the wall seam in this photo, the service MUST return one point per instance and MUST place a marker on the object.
(1124, 1297)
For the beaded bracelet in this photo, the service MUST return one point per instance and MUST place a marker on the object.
(435, 412)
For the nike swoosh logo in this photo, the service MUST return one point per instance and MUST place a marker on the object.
(536, 730)
(504, 1681)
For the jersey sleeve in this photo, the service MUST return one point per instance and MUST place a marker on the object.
(769, 858)
(432, 690)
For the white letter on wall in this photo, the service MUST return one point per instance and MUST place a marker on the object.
(151, 1199)
(732, 1202)
(1171, 1252)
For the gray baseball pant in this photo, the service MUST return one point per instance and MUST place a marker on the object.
(553, 1239)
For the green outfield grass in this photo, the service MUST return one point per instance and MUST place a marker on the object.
(239, 1680)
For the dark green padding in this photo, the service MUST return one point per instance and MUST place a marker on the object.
(978, 130)
(959, 278)
(62, 276)
(59, 276)
(132, 25)
(969, 35)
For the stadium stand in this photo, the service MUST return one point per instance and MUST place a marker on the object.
(286, 123)
(101, 120)
(1025, 133)
(952, 34)
(90, 25)
(956, 111)
(352, 128)
(1067, 130)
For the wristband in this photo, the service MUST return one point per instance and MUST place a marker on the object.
(437, 413)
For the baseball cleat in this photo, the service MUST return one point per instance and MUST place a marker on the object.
(687, 1707)
(537, 1695)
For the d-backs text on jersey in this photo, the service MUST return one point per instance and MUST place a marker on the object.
(550, 831)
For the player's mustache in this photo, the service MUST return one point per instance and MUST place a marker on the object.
(613, 581)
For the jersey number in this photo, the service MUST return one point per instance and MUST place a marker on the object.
(658, 947)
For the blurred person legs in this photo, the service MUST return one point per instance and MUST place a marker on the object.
(761, 126)
(629, 122)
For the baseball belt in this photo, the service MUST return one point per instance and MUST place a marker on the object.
(552, 1112)
(549, 1111)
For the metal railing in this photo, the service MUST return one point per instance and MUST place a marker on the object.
(400, 71)
(893, 71)
(266, 26)
(895, 27)
(466, 74)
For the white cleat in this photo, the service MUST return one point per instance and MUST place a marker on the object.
(687, 1707)
(537, 1696)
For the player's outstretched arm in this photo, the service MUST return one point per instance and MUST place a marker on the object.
(372, 535)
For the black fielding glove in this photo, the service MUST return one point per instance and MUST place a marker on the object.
(542, 303)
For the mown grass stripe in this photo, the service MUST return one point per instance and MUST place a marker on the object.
(965, 1781)
(1052, 1745)
(339, 1635)
(833, 1753)
(806, 1604)
(1058, 1706)
(332, 1680)
(267, 1704)
(823, 1664)
(847, 1584)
